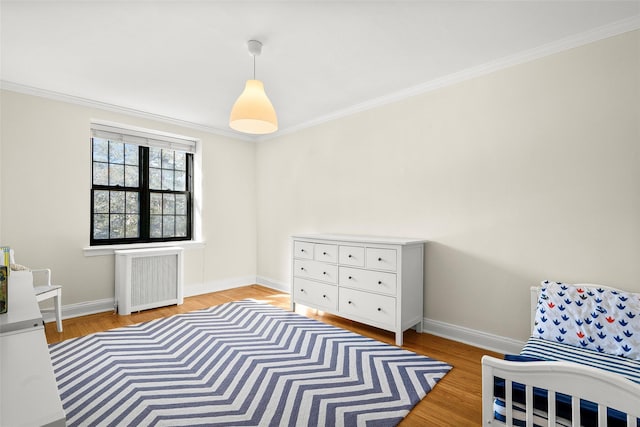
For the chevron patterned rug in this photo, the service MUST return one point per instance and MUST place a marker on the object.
(238, 364)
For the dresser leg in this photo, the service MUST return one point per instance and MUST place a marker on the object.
(419, 327)
(399, 338)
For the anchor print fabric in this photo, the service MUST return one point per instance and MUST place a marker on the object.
(604, 320)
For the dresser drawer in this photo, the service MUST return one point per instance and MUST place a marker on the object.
(315, 294)
(381, 259)
(351, 255)
(302, 249)
(315, 270)
(368, 280)
(325, 253)
(379, 309)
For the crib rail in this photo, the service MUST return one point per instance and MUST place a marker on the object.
(606, 389)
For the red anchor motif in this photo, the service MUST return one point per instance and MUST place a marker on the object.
(550, 304)
(610, 319)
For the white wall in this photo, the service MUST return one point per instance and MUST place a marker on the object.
(529, 173)
(45, 186)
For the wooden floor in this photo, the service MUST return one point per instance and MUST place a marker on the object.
(455, 401)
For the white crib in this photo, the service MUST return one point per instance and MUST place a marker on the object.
(605, 389)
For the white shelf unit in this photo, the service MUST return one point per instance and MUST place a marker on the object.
(28, 390)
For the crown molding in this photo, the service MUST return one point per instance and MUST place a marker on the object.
(619, 27)
(596, 34)
(85, 102)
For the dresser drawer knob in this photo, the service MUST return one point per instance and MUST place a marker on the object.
(324, 296)
(324, 253)
(350, 277)
(379, 282)
(379, 309)
(350, 256)
(302, 268)
(349, 302)
(324, 272)
(379, 259)
(302, 250)
(301, 290)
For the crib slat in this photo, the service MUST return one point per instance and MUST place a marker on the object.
(602, 415)
(575, 411)
(508, 401)
(551, 407)
(529, 404)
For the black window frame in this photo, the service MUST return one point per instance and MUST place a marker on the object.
(144, 191)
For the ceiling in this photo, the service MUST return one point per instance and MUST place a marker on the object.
(187, 61)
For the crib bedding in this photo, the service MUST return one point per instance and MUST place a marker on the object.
(592, 325)
(537, 349)
(554, 351)
(589, 316)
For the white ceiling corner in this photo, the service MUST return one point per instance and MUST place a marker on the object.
(186, 62)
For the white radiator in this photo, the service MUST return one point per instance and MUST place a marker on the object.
(148, 278)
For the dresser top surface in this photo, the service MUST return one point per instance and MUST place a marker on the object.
(354, 238)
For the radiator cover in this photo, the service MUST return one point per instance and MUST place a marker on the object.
(148, 278)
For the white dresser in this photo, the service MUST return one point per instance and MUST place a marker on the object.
(372, 280)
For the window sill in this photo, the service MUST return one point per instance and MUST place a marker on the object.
(110, 249)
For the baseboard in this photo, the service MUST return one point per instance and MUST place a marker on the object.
(80, 309)
(273, 284)
(221, 285)
(472, 337)
(108, 304)
(218, 285)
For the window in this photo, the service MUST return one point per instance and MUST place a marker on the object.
(142, 187)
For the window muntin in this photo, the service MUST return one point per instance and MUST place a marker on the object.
(167, 169)
(115, 163)
(139, 193)
(169, 215)
(116, 214)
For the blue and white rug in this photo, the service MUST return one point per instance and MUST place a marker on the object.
(238, 364)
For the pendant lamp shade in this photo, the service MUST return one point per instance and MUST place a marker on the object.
(252, 111)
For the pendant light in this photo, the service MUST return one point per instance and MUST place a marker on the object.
(253, 112)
